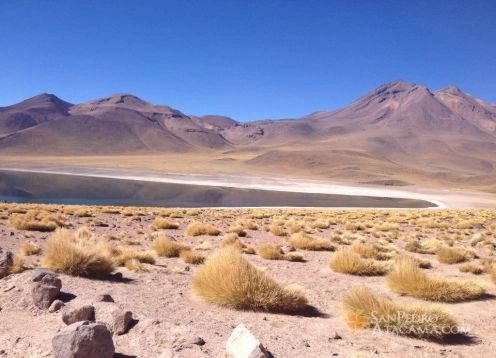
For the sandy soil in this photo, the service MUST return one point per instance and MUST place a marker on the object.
(168, 314)
(447, 198)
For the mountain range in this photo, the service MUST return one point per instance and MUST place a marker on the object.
(398, 130)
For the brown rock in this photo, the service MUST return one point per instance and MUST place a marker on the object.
(104, 298)
(83, 340)
(120, 321)
(6, 262)
(55, 306)
(46, 290)
(84, 313)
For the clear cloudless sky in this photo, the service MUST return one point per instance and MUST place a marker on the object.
(250, 59)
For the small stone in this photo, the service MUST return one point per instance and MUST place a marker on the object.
(337, 336)
(242, 344)
(84, 339)
(104, 298)
(56, 306)
(199, 341)
(6, 262)
(121, 320)
(117, 276)
(39, 273)
(46, 290)
(84, 313)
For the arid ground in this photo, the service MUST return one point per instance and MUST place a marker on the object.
(168, 315)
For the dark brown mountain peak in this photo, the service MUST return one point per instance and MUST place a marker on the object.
(396, 86)
(453, 90)
(122, 99)
(46, 101)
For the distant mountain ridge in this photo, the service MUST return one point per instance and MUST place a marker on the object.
(397, 126)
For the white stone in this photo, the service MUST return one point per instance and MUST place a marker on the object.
(243, 344)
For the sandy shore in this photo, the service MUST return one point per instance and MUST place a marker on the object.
(441, 199)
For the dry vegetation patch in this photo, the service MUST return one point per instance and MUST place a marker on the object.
(270, 252)
(168, 247)
(407, 278)
(452, 255)
(160, 223)
(198, 228)
(36, 221)
(348, 261)
(229, 279)
(79, 257)
(191, 257)
(364, 309)
(30, 248)
(304, 241)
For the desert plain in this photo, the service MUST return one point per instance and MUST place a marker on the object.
(173, 317)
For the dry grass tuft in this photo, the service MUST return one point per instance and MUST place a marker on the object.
(348, 261)
(451, 255)
(430, 246)
(191, 257)
(17, 265)
(364, 309)
(271, 252)
(65, 253)
(135, 265)
(407, 279)
(122, 256)
(369, 251)
(238, 229)
(472, 267)
(198, 228)
(304, 241)
(34, 222)
(294, 256)
(277, 230)
(30, 248)
(168, 248)
(160, 223)
(228, 279)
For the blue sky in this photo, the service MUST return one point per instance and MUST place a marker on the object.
(250, 59)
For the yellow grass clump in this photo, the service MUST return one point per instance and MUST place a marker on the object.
(472, 267)
(168, 248)
(270, 252)
(348, 261)
(369, 251)
(451, 255)
(407, 278)
(135, 265)
(17, 265)
(121, 256)
(364, 309)
(277, 230)
(228, 279)
(29, 248)
(191, 257)
(198, 228)
(160, 223)
(79, 257)
(294, 256)
(35, 222)
(238, 229)
(304, 241)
